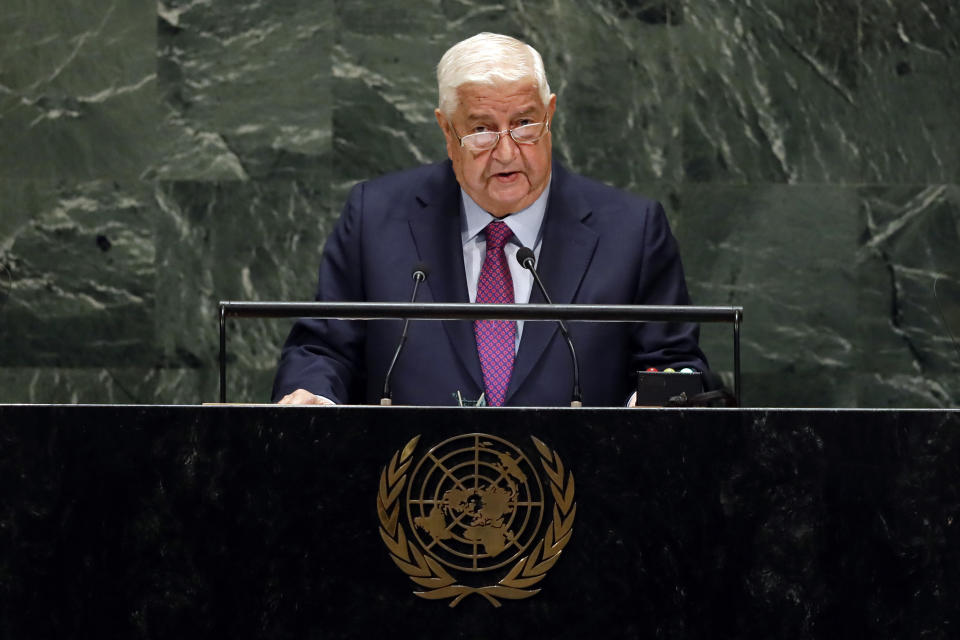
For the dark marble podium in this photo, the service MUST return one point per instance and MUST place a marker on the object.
(262, 522)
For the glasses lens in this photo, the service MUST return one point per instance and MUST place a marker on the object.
(529, 132)
(480, 141)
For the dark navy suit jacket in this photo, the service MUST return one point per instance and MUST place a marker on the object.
(599, 245)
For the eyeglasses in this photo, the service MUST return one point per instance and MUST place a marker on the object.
(525, 134)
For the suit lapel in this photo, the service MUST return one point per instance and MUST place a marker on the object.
(435, 226)
(567, 248)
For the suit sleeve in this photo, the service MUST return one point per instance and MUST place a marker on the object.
(661, 282)
(325, 356)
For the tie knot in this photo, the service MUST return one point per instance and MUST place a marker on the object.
(497, 235)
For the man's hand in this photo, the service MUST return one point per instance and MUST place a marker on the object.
(302, 396)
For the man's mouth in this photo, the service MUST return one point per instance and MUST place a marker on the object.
(506, 176)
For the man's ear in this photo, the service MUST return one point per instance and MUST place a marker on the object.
(447, 130)
(442, 121)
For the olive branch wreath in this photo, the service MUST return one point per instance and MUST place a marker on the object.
(430, 574)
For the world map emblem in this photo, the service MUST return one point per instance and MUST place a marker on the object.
(471, 506)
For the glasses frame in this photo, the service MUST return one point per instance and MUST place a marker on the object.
(545, 123)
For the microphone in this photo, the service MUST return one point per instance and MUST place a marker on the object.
(526, 259)
(420, 272)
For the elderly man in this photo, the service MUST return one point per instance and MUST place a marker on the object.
(465, 219)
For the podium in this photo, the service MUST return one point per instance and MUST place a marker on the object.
(269, 522)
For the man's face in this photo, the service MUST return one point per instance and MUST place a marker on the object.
(510, 176)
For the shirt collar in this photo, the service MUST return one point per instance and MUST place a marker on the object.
(525, 223)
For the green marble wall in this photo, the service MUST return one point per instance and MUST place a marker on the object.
(156, 158)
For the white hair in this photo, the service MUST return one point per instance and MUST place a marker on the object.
(488, 59)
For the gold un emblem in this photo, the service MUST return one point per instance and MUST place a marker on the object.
(475, 505)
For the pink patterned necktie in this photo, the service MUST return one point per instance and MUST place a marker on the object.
(495, 338)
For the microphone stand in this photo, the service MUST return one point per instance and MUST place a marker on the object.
(419, 275)
(526, 260)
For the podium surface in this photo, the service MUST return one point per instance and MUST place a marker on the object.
(282, 522)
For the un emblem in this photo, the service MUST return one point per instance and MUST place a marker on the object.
(475, 504)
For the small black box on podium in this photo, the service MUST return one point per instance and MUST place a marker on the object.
(663, 388)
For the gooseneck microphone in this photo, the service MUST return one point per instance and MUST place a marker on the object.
(527, 260)
(420, 273)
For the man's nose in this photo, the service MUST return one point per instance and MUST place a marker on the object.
(506, 148)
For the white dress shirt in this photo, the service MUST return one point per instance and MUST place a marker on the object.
(527, 227)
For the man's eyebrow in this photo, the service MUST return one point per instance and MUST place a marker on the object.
(517, 114)
(478, 116)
